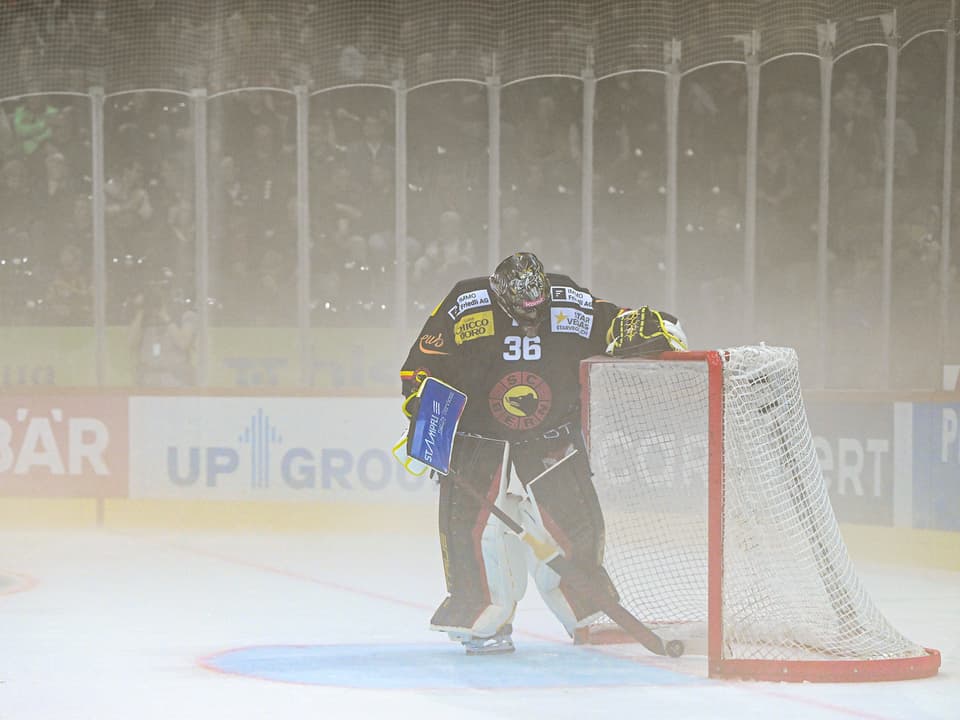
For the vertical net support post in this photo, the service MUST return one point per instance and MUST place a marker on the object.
(946, 200)
(303, 231)
(99, 230)
(400, 198)
(671, 52)
(493, 173)
(888, 22)
(751, 53)
(201, 192)
(719, 525)
(827, 40)
(586, 171)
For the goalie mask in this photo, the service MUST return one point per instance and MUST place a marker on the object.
(521, 287)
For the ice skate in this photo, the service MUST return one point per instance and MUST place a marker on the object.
(498, 644)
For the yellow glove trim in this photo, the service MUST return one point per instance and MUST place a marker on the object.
(406, 404)
(632, 324)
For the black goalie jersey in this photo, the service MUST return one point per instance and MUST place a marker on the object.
(517, 387)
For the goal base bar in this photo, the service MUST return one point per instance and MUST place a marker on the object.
(888, 670)
(840, 671)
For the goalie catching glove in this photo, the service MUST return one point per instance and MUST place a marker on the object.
(644, 331)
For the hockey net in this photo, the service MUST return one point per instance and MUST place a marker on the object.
(719, 528)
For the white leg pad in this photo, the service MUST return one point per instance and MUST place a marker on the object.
(545, 578)
(504, 561)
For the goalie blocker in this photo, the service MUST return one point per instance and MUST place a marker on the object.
(435, 411)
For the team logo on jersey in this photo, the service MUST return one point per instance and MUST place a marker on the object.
(469, 301)
(473, 326)
(432, 344)
(521, 400)
(562, 293)
(568, 320)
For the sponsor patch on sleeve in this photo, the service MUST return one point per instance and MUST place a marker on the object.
(469, 301)
(564, 293)
(570, 320)
(432, 344)
(473, 326)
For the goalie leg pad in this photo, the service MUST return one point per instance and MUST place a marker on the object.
(483, 561)
(563, 504)
(564, 498)
(572, 611)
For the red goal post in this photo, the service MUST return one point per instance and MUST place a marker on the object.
(719, 528)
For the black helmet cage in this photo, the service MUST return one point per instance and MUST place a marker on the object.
(521, 287)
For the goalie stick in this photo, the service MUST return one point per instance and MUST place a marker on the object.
(553, 556)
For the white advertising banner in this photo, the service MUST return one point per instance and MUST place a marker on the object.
(263, 448)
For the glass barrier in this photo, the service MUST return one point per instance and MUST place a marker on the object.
(49, 285)
(352, 201)
(710, 223)
(918, 177)
(46, 242)
(352, 156)
(447, 192)
(149, 239)
(629, 190)
(788, 167)
(540, 170)
(252, 201)
(855, 287)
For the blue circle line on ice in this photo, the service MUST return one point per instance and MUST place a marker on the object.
(441, 666)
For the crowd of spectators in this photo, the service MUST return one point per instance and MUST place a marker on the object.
(46, 208)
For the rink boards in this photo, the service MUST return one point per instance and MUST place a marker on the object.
(892, 465)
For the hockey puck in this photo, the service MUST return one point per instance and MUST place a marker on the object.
(674, 648)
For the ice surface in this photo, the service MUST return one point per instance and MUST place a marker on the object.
(224, 626)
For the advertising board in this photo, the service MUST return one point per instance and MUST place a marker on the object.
(268, 448)
(936, 466)
(855, 445)
(69, 446)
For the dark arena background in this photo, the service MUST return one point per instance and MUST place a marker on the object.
(769, 170)
(223, 222)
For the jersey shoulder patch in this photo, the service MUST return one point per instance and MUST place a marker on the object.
(468, 300)
(571, 320)
(572, 295)
(473, 326)
(432, 344)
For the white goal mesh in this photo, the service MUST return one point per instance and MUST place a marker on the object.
(713, 493)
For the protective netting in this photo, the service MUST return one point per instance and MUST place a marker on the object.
(71, 45)
(789, 590)
(302, 192)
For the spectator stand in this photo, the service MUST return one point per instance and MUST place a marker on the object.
(319, 166)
